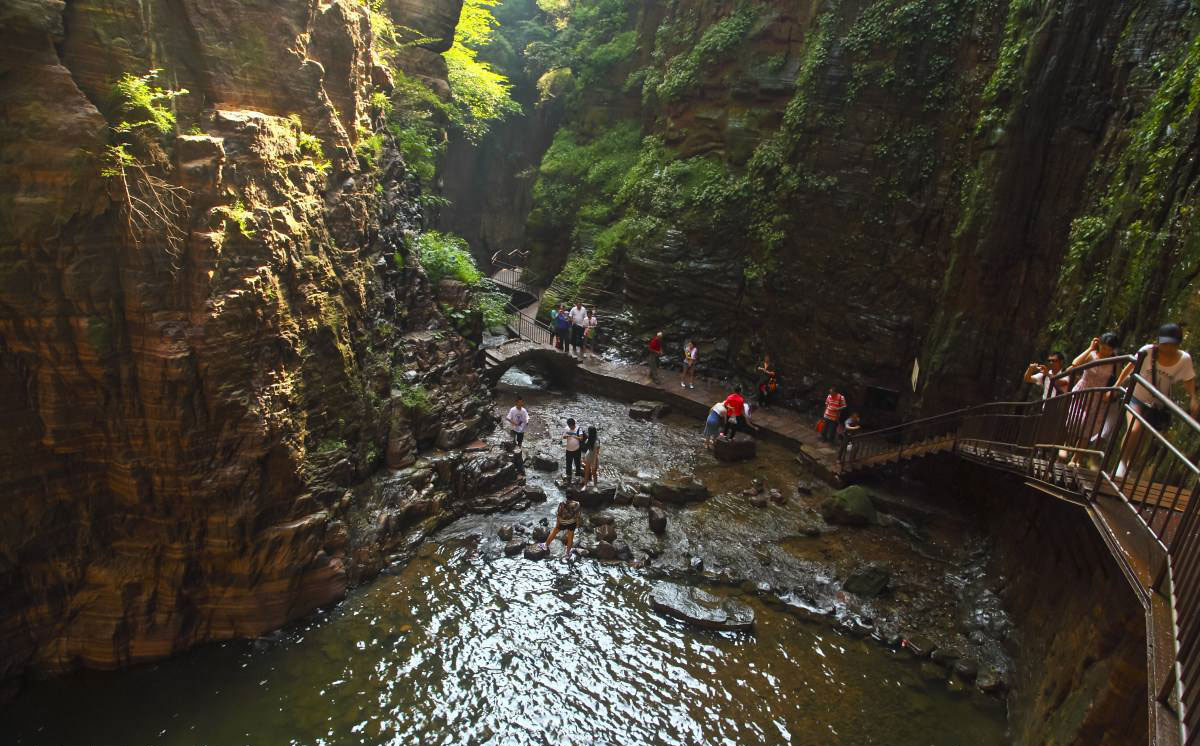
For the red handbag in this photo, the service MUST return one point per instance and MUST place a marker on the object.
(821, 425)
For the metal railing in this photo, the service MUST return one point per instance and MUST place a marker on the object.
(1096, 445)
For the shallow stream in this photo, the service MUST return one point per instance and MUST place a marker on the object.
(465, 646)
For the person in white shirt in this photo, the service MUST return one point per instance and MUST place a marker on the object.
(573, 438)
(1043, 376)
(690, 354)
(589, 333)
(1163, 366)
(518, 418)
(578, 321)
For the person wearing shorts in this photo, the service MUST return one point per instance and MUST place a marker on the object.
(714, 423)
(566, 520)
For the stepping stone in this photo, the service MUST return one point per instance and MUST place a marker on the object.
(658, 520)
(701, 608)
(740, 448)
(678, 491)
(648, 410)
(536, 552)
(513, 548)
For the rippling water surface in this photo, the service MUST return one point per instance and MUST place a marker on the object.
(462, 647)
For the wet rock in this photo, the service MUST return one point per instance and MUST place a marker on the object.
(701, 608)
(658, 520)
(513, 547)
(741, 447)
(606, 532)
(535, 494)
(543, 461)
(623, 551)
(601, 519)
(757, 485)
(505, 533)
(604, 550)
(591, 497)
(990, 680)
(804, 488)
(622, 498)
(648, 410)
(763, 588)
(696, 565)
(679, 491)
(536, 551)
(851, 506)
(868, 582)
(758, 501)
(641, 501)
(776, 497)
(966, 668)
(540, 533)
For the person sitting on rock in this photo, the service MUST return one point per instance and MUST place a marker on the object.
(566, 520)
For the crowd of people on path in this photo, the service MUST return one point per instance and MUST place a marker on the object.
(575, 329)
(1091, 420)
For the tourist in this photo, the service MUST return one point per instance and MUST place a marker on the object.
(852, 425)
(1043, 376)
(835, 403)
(518, 418)
(1163, 365)
(1089, 418)
(562, 327)
(735, 405)
(591, 456)
(578, 316)
(656, 351)
(589, 333)
(555, 338)
(690, 354)
(572, 440)
(714, 424)
(565, 519)
(767, 382)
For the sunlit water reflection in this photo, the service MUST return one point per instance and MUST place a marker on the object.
(466, 647)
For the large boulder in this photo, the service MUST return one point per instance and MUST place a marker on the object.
(658, 520)
(591, 497)
(648, 410)
(514, 547)
(536, 551)
(543, 461)
(739, 448)
(868, 582)
(606, 532)
(701, 608)
(604, 551)
(678, 491)
(851, 506)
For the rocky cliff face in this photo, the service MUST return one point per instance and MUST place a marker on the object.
(207, 340)
(855, 185)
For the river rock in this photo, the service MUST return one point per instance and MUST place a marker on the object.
(641, 501)
(758, 501)
(851, 506)
(741, 447)
(678, 490)
(696, 565)
(591, 497)
(701, 608)
(513, 547)
(535, 494)
(622, 549)
(540, 533)
(621, 497)
(966, 668)
(868, 582)
(919, 646)
(658, 520)
(776, 497)
(804, 488)
(604, 550)
(606, 532)
(946, 657)
(505, 533)
(536, 551)
(648, 410)
(990, 680)
(601, 519)
(543, 461)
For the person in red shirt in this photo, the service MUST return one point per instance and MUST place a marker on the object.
(735, 407)
(834, 404)
(656, 351)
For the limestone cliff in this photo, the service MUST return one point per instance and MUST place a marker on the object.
(209, 337)
(855, 185)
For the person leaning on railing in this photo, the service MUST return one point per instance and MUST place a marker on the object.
(1163, 365)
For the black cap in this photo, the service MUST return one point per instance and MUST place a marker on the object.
(1170, 334)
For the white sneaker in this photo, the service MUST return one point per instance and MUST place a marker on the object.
(682, 385)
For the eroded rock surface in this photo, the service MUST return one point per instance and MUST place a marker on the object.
(701, 608)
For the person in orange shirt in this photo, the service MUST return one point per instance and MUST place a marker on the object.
(834, 404)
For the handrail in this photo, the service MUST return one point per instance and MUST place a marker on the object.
(1146, 472)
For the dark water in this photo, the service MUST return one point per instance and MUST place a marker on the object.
(465, 646)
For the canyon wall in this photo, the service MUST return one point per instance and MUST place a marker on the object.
(858, 185)
(213, 330)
